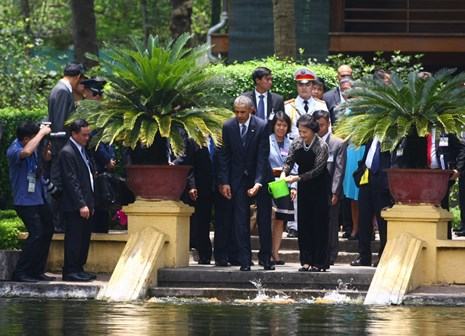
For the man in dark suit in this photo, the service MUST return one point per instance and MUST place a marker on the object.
(336, 167)
(243, 174)
(61, 105)
(334, 97)
(266, 103)
(373, 197)
(200, 194)
(77, 173)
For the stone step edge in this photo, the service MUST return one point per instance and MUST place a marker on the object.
(49, 290)
(230, 293)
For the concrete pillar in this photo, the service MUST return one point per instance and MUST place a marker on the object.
(425, 222)
(168, 217)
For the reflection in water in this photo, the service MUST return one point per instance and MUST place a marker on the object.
(199, 318)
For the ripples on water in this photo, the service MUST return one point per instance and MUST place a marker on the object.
(212, 317)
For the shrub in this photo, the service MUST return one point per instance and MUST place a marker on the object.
(10, 118)
(239, 76)
(398, 63)
(25, 79)
(10, 227)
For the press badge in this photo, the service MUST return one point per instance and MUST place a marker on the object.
(331, 158)
(400, 152)
(31, 183)
(444, 142)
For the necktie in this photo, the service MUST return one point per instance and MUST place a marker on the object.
(376, 159)
(211, 149)
(243, 133)
(86, 160)
(261, 108)
(306, 106)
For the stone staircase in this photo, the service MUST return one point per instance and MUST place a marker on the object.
(228, 282)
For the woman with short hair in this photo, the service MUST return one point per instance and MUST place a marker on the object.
(313, 203)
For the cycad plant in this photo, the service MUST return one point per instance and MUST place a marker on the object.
(157, 91)
(404, 109)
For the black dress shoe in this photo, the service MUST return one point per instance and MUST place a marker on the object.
(221, 263)
(460, 233)
(245, 268)
(90, 275)
(360, 262)
(292, 233)
(24, 278)
(353, 237)
(204, 261)
(268, 266)
(44, 277)
(345, 235)
(76, 277)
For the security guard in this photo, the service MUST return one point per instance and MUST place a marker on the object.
(304, 103)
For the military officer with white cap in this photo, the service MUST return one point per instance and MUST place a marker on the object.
(304, 103)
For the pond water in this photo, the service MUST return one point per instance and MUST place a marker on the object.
(211, 317)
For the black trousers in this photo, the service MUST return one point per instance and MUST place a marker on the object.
(224, 243)
(372, 200)
(101, 220)
(241, 224)
(38, 221)
(200, 226)
(77, 240)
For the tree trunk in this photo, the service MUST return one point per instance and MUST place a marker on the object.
(145, 20)
(181, 17)
(84, 31)
(284, 28)
(26, 13)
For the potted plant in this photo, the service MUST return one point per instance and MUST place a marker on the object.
(401, 114)
(156, 94)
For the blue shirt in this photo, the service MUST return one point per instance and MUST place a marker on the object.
(19, 170)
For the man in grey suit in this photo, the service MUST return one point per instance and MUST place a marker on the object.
(60, 107)
(266, 102)
(336, 166)
(334, 97)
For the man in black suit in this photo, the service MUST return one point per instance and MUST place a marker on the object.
(243, 174)
(266, 103)
(373, 197)
(334, 97)
(199, 193)
(77, 173)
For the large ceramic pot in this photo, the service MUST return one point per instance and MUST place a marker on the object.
(157, 182)
(415, 186)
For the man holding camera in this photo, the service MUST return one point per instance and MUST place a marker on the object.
(29, 200)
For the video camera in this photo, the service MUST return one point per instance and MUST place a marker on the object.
(53, 135)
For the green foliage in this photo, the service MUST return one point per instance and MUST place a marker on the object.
(10, 118)
(10, 227)
(414, 105)
(397, 63)
(238, 76)
(24, 77)
(157, 90)
(455, 217)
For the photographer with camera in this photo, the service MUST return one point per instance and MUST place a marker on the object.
(28, 189)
